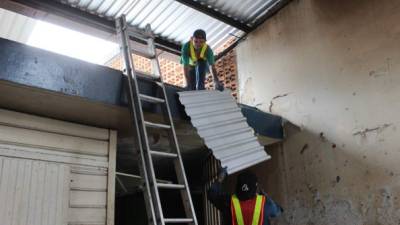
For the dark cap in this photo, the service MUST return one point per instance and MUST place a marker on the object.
(246, 186)
(200, 34)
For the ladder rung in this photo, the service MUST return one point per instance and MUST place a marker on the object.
(164, 154)
(142, 53)
(128, 175)
(157, 125)
(139, 34)
(145, 75)
(151, 99)
(178, 220)
(139, 177)
(171, 186)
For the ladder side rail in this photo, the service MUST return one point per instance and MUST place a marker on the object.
(129, 70)
(178, 163)
(155, 66)
(146, 147)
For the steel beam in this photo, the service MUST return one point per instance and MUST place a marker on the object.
(219, 16)
(62, 77)
(271, 12)
(275, 9)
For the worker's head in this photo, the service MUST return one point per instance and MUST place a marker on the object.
(199, 38)
(246, 186)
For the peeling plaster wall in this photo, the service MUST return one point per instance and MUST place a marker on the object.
(332, 67)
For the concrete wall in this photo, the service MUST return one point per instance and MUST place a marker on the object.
(332, 67)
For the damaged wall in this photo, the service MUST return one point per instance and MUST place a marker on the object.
(332, 68)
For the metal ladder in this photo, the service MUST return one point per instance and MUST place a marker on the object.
(151, 186)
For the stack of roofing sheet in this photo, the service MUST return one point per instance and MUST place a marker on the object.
(220, 122)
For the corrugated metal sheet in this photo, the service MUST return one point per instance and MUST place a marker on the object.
(219, 121)
(169, 19)
(15, 27)
(246, 11)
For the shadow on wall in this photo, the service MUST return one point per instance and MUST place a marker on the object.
(339, 10)
(269, 175)
(319, 182)
(327, 183)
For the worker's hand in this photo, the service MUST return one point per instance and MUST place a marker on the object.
(217, 84)
(261, 190)
(223, 172)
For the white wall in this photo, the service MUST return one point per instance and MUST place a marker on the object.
(336, 65)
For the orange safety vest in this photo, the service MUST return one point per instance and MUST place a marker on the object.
(258, 211)
(195, 57)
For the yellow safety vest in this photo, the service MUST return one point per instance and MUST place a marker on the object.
(193, 55)
(257, 210)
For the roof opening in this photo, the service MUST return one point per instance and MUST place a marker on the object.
(54, 38)
(72, 43)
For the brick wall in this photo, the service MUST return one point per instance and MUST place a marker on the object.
(227, 73)
(172, 72)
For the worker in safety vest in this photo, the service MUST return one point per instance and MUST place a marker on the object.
(197, 57)
(246, 206)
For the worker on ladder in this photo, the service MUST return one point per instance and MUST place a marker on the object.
(197, 58)
(246, 206)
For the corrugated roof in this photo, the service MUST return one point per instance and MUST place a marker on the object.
(168, 18)
(175, 21)
(219, 121)
(246, 11)
(15, 27)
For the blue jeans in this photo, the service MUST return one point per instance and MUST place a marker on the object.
(196, 77)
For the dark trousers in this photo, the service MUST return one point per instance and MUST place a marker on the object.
(196, 77)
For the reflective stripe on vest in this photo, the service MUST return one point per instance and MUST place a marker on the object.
(193, 55)
(256, 214)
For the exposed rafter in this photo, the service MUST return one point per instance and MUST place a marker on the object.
(58, 8)
(215, 14)
(275, 9)
(271, 12)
